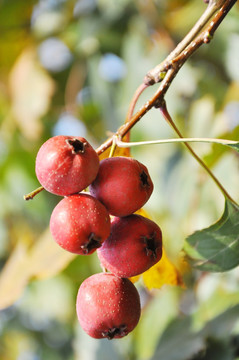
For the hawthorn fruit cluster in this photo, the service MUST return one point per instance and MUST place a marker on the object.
(102, 220)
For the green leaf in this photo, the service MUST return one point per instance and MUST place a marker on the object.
(218, 151)
(216, 349)
(222, 324)
(149, 330)
(235, 146)
(216, 248)
(178, 341)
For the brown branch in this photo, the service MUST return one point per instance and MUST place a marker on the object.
(168, 69)
(192, 40)
(154, 101)
(171, 68)
(154, 75)
(206, 36)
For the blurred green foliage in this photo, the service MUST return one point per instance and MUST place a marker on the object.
(73, 66)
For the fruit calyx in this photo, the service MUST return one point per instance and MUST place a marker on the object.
(76, 145)
(151, 247)
(115, 332)
(144, 179)
(93, 242)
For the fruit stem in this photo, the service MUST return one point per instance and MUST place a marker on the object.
(168, 118)
(132, 106)
(113, 148)
(134, 100)
(33, 193)
(120, 143)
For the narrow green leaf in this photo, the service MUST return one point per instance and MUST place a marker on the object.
(235, 146)
(216, 248)
(179, 342)
(222, 324)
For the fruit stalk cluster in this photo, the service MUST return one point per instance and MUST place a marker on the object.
(102, 220)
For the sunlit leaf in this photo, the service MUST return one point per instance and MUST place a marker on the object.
(153, 322)
(42, 260)
(31, 90)
(179, 341)
(216, 248)
(143, 212)
(234, 146)
(15, 18)
(162, 273)
(119, 151)
(217, 151)
(46, 258)
(14, 276)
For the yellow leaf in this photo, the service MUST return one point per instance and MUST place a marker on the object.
(14, 276)
(42, 260)
(31, 89)
(142, 212)
(46, 258)
(134, 279)
(162, 273)
(118, 152)
(183, 265)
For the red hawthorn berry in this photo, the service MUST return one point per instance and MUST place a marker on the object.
(80, 223)
(66, 165)
(107, 306)
(134, 245)
(122, 184)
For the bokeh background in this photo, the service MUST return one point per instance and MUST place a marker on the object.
(71, 67)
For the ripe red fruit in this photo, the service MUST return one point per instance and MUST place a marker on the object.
(66, 165)
(80, 223)
(107, 306)
(134, 245)
(122, 184)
